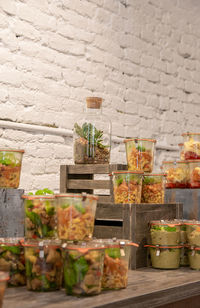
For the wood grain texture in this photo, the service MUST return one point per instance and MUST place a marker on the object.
(147, 288)
(63, 178)
(88, 184)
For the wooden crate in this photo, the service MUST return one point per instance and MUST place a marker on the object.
(81, 178)
(190, 198)
(11, 212)
(131, 221)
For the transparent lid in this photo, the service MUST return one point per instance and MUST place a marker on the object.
(55, 243)
(33, 197)
(114, 242)
(165, 246)
(83, 196)
(127, 172)
(170, 223)
(188, 134)
(83, 247)
(193, 222)
(11, 150)
(140, 139)
(11, 241)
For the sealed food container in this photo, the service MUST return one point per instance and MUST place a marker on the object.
(44, 265)
(12, 260)
(76, 214)
(177, 174)
(191, 145)
(40, 216)
(193, 232)
(10, 167)
(194, 173)
(4, 276)
(164, 232)
(116, 263)
(127, 186)
(83, 268)
(194, 257)
(181, 150)
(153, 187)
(140, 154)
(92, 134)
(165, 257)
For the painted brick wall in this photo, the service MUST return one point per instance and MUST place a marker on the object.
(141, 56)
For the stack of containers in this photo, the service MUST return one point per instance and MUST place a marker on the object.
(165, 247)
(193, 239)
(138, 184)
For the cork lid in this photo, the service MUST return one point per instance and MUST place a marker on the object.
(94, 102)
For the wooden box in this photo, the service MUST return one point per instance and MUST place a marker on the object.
(11, 212)
(131, 221)
(190, 198)
(81, 178)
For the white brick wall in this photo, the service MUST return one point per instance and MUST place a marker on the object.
(141, 56)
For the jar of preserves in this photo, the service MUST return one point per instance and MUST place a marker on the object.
(177, 174)
(140, 154)
(153, 188)
(194, 173)
(92, 134)
(191, 145)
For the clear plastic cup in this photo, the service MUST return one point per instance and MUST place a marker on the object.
(40, 217)
(177, 174)
(4, 276)
(193, 232)
(83, 268)
(194, 257)
(164, 232)
(153, 188)
(127, 186)
(116, 263)
(165, 257)
(10, 167)
(76, 214)
(191, 146)
(12, 260)
(194, 173)
(140, 154)
(44, 265)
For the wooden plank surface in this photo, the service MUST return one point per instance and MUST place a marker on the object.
(147, 288)
(95, 169)
(88, 184)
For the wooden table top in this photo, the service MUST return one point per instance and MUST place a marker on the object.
(147, 287)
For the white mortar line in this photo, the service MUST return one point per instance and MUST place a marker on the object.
(63, 132)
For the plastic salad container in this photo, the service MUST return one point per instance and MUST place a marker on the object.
(164, 232)
(10, 168)
(165, 257)
(177, 174)
(116, 263)
(40, 217)
(76, 214)
(140, 154)
(193, 232)
(181, 150)
(194, 257)
(191, 145)
(194, 173)
(44, 265)
(153, 188)
(3, 284)
(12, 260)
(83, 268)
(127, 186)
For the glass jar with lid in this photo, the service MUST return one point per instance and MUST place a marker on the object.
(92, 134)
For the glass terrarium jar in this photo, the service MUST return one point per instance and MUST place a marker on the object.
(3, 284)
(177, 174)
(165, 257)
(116, 263)
(127, 186)
(181, 151)
(194, 173)
(10, 167)
(194, 257)
(76, 214)
(165, 232)
(83, 268)
(92, 134)
(140, 154)
(44, 265)
(153, 188)
(193, 232)
(191, 145)
(40, 216)
(12, 260)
